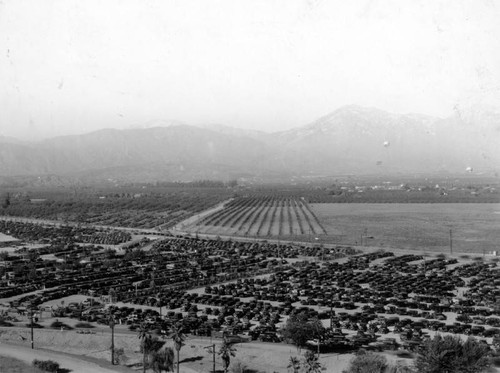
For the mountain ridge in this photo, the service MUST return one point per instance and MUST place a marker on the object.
(352, 139)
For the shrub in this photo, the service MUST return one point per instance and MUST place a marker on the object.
(119, 356)
(495, 360)
(400, 369)
(162, 359)
(46, 365)
(367, 363)
(58, 325)
(84, 325)
(239, 367)
(404, 354)
(5, 323)
(450, 353)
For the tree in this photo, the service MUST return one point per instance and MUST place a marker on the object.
(163, 360)
(226, 351)
(32, 255)
(367, 363)
(294, 364)
(311, 363)
(450, 354)
(112, 295)
(178, 337)
(6, 201)
(150, 347)
(143, 335)
(109, 253)
(299, 329)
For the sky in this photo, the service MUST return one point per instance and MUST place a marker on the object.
(69, 66)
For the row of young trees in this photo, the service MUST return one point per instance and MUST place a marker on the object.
(258, 215)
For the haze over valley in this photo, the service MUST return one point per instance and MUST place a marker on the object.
(350, 140)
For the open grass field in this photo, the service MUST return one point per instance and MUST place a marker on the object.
(475, 227)
(11, 365)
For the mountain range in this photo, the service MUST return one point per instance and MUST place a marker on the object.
(350, 140)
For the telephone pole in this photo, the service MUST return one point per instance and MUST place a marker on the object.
(112, 326)
(31, 326)
(211, 348)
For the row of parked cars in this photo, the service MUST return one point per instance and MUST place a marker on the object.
(366, 295)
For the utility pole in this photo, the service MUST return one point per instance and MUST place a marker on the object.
(112, 326)
(31, 326)
(211, 349)
(317, 331)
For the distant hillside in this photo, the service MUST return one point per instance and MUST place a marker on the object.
(352, 139)
(361, 140)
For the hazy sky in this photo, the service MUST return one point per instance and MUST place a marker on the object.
(73, 66)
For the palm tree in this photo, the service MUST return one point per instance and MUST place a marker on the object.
(294, 364)
(226, 351)
(312, 365)
(178, 337)
(143, 335)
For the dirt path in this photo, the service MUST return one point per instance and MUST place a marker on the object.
(191, 222)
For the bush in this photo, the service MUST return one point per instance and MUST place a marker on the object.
(84, 325)
(495, 361)
(46, 365)
(162, 360)
(404, 354)
(450, 353)
(239, 367)
(400, 369)
(58, 325)
(367, 363)
(119, 356)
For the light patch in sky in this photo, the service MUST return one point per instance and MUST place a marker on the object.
(76, 66)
